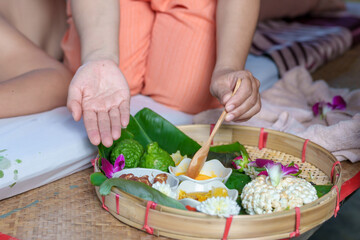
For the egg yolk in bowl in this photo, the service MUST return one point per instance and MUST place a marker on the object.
(201, 176)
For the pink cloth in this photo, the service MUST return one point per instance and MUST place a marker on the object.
(287, 107)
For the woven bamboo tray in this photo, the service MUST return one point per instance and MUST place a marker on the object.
(280, 147)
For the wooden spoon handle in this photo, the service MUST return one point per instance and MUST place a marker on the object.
(223, 114)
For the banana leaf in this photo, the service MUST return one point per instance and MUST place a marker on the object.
(321, 190)
(140, 134)
(105, 152)
(97, 178)
(148, 126)
(171, 139)
(168, 136)
(237, 181)
(233, 147)
(140, 190)
(226, 153)
(224, 158)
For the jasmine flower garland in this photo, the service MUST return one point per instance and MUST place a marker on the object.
(220, 206)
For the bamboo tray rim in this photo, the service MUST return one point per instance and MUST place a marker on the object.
(326, 199)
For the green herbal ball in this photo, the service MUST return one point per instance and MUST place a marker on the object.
(156, 158)
(132, 151)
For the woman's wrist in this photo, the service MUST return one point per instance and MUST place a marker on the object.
(221, 69)
(100, 54)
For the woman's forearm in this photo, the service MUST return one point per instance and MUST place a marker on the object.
(35, 91)
(235, 25)
(97, 22)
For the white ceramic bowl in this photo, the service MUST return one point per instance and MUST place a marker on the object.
(190, 187)
(139, 172)
(210, 168)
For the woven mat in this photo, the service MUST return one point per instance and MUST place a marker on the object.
(65, 209)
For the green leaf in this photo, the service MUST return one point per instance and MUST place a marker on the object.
(105, 152)
(224, 158)
(237, 181)
(169, 137)
(140, 133)
(233, 147)
(242, 210)
(97, 178)
(321, 190)
(232, 150)
(140, 190)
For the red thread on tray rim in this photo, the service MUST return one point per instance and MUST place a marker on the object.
(227, 227)
(152, 205)
(303, 154)
(262, 139)
(296, 233)
(337, 207)
(103, 203)
(332, 170)
(211, 129)
(117, 203)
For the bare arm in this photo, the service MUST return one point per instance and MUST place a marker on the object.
(30, 80)
(235, 23)
(99, 90)
(97, 22)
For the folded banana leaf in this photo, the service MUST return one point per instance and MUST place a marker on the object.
(168, 136)
(140, 190)
(148, 126)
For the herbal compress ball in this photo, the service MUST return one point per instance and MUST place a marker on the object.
(259, 196)
(132, 151)
(156, 158)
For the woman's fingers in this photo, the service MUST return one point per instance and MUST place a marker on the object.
(91, 126)
(115, 123)
(251, 112)
(124, 112)
(74, 102)
(105, 128)
(247, 98)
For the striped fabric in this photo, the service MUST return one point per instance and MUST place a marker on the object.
(308, 42)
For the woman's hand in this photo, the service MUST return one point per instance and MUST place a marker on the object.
(100, 92)
(246, 102)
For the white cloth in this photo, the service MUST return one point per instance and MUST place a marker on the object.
(50, 145)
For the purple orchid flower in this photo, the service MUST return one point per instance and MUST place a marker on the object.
(324, 107)
(239, 163)
(110, 169)
(275, 171)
